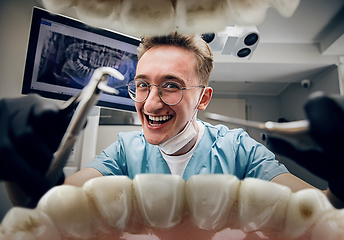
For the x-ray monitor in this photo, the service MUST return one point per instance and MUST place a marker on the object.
(63, 54)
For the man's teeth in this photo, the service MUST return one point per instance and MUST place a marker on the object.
(203, 204)
(156, 121)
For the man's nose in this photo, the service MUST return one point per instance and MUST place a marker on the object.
(153, 100)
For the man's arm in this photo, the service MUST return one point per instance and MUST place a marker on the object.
(291, 181)
(79, 178)
(297, 184)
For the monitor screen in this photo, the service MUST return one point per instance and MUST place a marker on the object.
(63, 54)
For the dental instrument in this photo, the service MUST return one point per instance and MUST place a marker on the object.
(83, 102)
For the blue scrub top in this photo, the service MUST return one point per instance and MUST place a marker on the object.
(221, 150)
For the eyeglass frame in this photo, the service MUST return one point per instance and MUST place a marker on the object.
(152, 84)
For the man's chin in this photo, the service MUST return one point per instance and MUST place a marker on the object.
(153, 140)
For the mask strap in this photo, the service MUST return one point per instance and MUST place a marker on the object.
(198, 103)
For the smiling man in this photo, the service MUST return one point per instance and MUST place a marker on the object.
(170, 86)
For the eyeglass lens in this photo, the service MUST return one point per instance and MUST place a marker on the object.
(170, 92)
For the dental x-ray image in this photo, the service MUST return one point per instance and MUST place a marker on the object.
(70, 62)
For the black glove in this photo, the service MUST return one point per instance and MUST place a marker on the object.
(326, 117)
(31, 129)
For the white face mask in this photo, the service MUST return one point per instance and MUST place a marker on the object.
(177, 142)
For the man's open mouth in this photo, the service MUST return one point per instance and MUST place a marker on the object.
(159, 120)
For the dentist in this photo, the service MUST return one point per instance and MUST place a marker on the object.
(170, 86)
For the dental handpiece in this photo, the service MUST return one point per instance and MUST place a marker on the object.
(296, 132)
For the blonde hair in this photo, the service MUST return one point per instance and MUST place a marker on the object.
(202, 51)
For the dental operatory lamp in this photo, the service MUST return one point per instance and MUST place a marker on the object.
(238, 41)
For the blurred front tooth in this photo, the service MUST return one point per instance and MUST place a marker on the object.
(305, 207)
(58, 5)
(262, 205)
(210, 198)
(99, 8)
(147, 17)
(330, 226)
(285, 7)
(249, 12)
(68, 207)
(253, 12)
(201, 16)
(160, 199)
(27, 224)
(112, 198)
(103, 14)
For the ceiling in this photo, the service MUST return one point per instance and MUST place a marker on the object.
(290, 50)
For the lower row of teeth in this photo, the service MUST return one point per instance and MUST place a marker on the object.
(110, 207)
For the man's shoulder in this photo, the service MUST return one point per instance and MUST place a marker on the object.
(221, 130)
(131, 135)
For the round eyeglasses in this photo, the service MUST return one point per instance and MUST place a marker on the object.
(171, 93)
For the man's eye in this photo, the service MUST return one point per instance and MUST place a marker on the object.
(171, 86)
(141, 85)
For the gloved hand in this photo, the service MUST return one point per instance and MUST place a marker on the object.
(326, 117)
(31, 129)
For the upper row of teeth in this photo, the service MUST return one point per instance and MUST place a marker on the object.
(210, 202)
(154, 17)
(161, 118)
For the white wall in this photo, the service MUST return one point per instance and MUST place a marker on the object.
(258, 108)
(292, 99)
(235, 108)
(261, 109)
(107, 134)
(15, 18)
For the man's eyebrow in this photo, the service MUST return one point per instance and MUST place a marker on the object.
(170, 77)
(166, 77)
(141, 76)
(173, 77)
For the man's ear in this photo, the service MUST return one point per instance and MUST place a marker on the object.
(208, 92)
